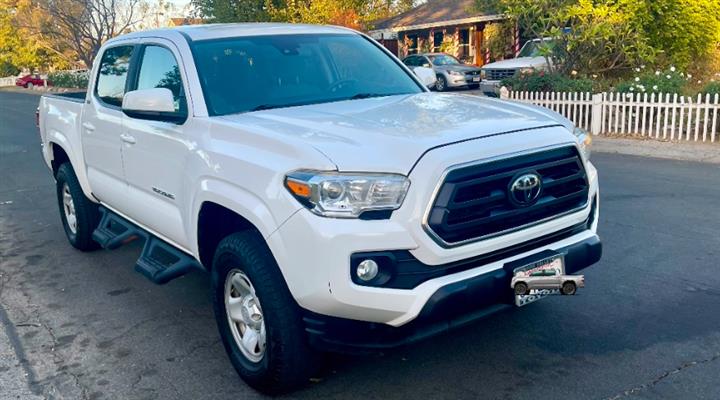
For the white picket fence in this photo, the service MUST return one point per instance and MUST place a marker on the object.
(658, 116)
(8, 81)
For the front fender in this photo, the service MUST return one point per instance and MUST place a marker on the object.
(240, 201)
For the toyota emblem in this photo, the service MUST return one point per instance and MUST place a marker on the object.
(525, 189)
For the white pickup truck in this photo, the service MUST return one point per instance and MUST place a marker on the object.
(337, 203)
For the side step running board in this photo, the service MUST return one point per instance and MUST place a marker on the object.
(159, 261)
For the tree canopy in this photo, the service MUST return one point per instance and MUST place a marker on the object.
(613, 36)
(352, 13)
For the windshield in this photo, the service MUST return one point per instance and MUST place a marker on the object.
(444, 59)
(534, 48)
(264, 72)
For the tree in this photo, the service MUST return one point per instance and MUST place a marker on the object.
(685, 31)
(84, 25)
(357, 14)
(595, 37)
(19, 48)
(609, 36)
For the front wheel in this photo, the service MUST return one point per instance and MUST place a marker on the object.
(79, 215)
(441, 84)
(521, 288)
(259, 322)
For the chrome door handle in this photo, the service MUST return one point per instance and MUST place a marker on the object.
(88, 126)
(127, 138)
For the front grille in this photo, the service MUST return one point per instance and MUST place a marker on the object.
(473, 73)
(499, 74)
(473, 201)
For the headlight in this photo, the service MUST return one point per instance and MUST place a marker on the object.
(455, 73)
(526, 70)
(483, 74)
(347, 195)
(585, 140)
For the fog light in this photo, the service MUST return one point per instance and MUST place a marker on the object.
(367, 270)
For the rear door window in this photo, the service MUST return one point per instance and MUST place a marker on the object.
(112, 75)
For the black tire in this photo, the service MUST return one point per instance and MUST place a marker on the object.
(521, 288)
(568, 288)
(288, 361)
(86, 212)
(441, 84)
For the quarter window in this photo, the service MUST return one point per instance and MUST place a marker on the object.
(114, 66)
(159, 69)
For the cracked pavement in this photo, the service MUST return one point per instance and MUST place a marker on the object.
(647, 326)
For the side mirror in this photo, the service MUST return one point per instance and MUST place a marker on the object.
(152, 104)
(427, 76)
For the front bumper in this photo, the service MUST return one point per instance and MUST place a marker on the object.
(450, 307)
(461, 81)
(314, 253)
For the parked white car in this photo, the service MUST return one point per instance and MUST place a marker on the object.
(529, 58)
(336, 202)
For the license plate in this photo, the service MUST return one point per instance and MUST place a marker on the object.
(554, 262)
(476, 79)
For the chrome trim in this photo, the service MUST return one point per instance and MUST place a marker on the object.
(442, 243)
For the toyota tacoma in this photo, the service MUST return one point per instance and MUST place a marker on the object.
(336, 202)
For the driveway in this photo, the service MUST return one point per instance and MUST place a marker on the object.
(85, 325)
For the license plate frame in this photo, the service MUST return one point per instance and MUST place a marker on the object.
(555, 261)
(476, 79)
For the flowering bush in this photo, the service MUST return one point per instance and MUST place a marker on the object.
(69, 79)
(669, 81)
(541, 81)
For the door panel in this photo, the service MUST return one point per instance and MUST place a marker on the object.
(154, 156)
(102, 126)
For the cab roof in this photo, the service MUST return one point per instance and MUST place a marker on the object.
(218, 31)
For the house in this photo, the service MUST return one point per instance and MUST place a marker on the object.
(186, 21)
(451, 26)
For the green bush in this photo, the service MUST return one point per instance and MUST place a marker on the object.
(670, 81)
(69, 79)
(541, 81)
(711, 88)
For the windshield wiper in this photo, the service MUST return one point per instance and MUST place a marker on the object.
(266, 107)
(368, 95)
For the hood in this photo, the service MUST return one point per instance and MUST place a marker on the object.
(516, 63)
(457, 67)
(389, 134)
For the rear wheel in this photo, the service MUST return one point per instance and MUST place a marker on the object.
(569, 288)
(79, 215)
(259, 322)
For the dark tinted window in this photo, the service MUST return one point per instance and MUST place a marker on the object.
(411, 61)
(254, 73)
(159, 69)
(114, 66)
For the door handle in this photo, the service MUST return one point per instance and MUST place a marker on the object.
(88, 126)
(127, 138)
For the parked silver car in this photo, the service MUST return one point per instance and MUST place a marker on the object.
(549, 279)
(451, 73)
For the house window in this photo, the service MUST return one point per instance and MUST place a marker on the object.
(464, 44)
(413, 46)
(438, 38)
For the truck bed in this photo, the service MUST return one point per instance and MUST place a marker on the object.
(72, 96)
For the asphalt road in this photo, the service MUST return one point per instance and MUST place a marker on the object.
(76, 325)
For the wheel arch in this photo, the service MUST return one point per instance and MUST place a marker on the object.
(215, 222)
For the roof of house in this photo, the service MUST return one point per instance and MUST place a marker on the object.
(186, 21)
(437, 13)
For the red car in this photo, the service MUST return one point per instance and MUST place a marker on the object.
(28, 81)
